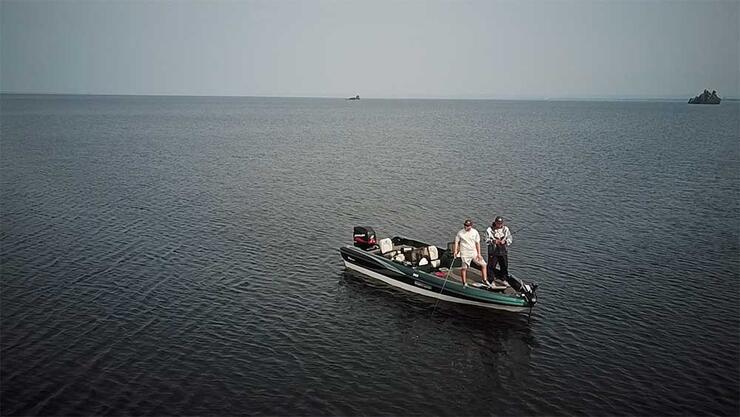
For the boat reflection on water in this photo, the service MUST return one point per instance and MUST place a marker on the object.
(474, 341)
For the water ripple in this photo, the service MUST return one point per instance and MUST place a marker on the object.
(178, 256)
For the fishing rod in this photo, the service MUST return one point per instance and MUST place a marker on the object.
(521, 229)
(445, 283)
(525, 227)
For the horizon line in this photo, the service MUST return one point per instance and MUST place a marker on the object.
(481, 98)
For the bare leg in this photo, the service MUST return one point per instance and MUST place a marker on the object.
(483, 269)
(464, 275)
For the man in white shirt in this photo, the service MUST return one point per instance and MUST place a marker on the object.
(467, 247)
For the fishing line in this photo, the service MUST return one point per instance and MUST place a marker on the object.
(445, 283)
(527, 226)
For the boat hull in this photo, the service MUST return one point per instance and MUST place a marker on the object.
(428, 285)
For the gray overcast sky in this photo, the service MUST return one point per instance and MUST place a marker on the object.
(478, 49)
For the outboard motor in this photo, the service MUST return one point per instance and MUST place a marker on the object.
(529, 290)
(364, 237)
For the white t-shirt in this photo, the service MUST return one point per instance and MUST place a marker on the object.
(466, 242)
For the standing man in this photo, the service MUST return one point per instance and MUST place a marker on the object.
(498, 237)
(467, 247)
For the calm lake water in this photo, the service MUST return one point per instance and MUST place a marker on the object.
(178, 256)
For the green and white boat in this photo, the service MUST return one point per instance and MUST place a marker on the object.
(433, 272)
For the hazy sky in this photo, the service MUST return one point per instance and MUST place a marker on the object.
(492, 49)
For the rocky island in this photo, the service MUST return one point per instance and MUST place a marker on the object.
(706, 98)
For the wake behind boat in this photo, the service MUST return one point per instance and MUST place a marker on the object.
(431, 271)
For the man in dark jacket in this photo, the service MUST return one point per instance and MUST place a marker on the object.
(498, 237)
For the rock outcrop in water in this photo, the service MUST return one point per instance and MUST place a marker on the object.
(706, 98)
(357, 97)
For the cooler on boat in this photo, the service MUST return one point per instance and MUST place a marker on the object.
(364, 237)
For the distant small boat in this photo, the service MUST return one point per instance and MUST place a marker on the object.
(357, 97)
(433, 272)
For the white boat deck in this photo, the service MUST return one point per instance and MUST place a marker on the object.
(475, 279)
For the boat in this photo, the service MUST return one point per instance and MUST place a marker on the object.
(432, 271)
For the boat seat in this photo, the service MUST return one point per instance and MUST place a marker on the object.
(428, 258)
(433, 256)
(396, 253)
(386, 246)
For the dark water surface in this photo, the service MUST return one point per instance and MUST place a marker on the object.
(178, 256)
